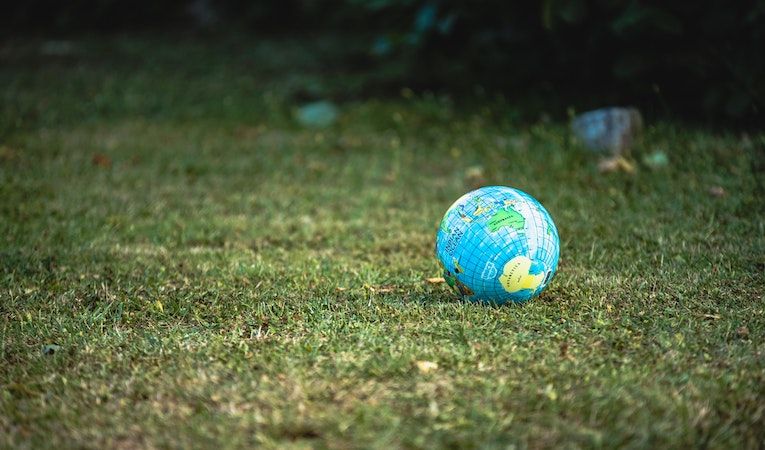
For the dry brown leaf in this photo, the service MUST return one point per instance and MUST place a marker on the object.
(7, 153)
(382, 289)
(616, 164)
(101, 160)
(435, 280)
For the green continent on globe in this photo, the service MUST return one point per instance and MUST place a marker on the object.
(506, 218)
(450, 279)
(456, 284)
(444, 226)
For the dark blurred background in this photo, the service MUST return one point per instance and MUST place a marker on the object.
(700, 61)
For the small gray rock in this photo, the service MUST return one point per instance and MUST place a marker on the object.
(608, 130)
(319, 114)
(656, 160)
(50, 349)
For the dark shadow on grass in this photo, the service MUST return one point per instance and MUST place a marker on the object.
(438, 296)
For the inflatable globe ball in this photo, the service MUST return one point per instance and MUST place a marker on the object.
(498, 244)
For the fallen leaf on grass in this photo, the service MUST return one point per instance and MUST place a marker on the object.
(563, 349)
(7, 154)
(550, 393)
(435, 280)
(474, 176)
(426, 366)
(101, 160)
(717, 191)
(382, 289)
(616, 164)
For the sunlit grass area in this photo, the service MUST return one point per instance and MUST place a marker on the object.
(183, 264)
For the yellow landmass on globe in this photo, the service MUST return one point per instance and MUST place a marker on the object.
(481, 210)
(516, 277)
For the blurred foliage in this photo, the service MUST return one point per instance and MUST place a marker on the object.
(674, 57)
(683, 56)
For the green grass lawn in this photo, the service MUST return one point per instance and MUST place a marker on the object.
(215, 275)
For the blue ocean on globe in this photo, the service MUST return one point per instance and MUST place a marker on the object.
(498, 244)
